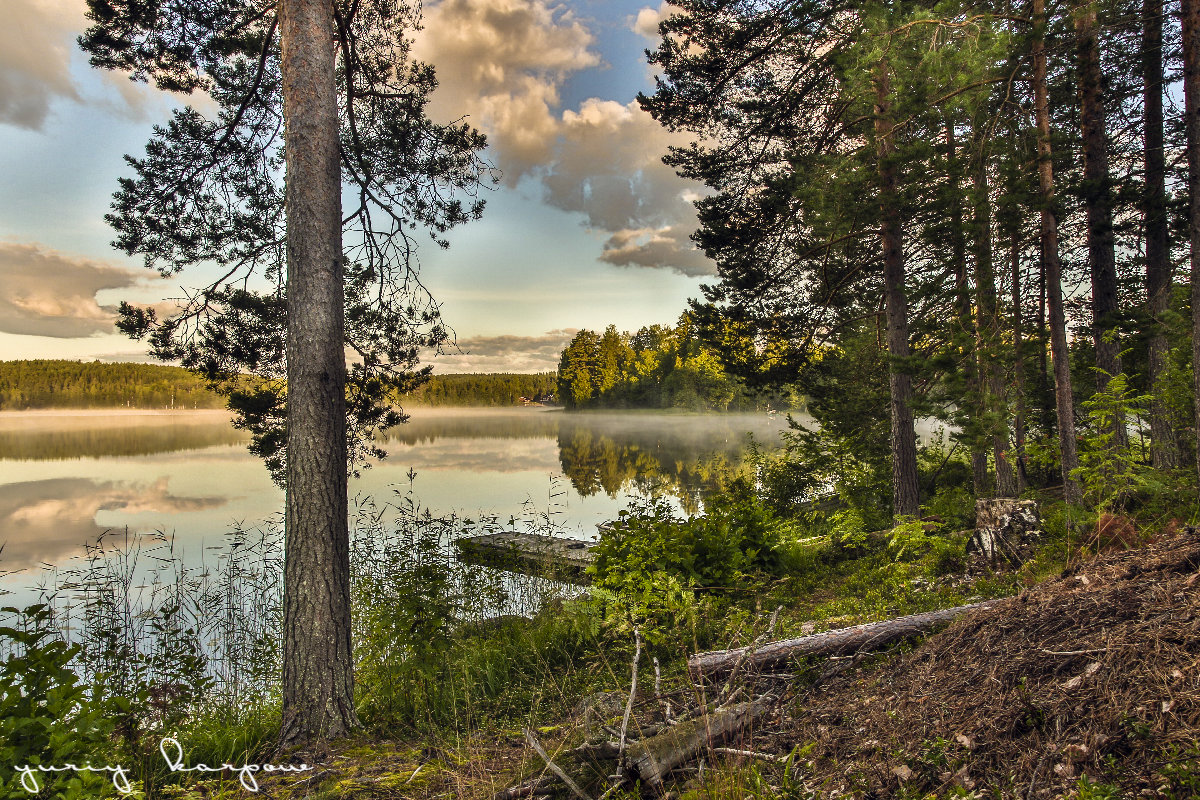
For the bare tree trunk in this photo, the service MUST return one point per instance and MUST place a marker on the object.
(905, 497)
(1064, 402)
(989, 328)
(842, 641)
(1164, 445)
(1097, 196)
(318, 681)
(1098, 203)
(1014, 255)
(1191, 95)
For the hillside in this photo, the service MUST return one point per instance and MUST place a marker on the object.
(1089, 678)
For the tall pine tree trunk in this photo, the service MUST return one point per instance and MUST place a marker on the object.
(318, 681)
(1098, 204)
(1064, 402)
(988, 323)
(1164, 446)
(905, 496)
(1191, 97)
(967, 332)
(1014, 257)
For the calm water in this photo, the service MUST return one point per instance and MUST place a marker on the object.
(67, 477)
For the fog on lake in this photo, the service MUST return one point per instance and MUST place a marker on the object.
(66, 477)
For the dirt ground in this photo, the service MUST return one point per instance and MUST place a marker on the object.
(1090, 678)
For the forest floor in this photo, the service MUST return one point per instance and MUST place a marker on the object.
(1084, 685)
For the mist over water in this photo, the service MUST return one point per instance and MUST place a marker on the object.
(67, 477)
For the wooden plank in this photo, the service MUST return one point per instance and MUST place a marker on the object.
(529, 554)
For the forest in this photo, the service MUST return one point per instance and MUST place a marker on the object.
(952, 211)
(658, 367)
(47, 383)
(50, 383)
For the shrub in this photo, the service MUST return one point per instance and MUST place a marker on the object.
(47, 716)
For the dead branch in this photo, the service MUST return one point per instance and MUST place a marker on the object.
(856, 639)
(653, 758)
(564, 777)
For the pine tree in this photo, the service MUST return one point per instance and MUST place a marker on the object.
(330, 84)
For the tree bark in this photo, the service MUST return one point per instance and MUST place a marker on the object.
(1098, 204)
(1190, 11)
(318, 682)
(843, 641)
(967, 330)
(1164, 445)
(1064, 402)
(905, 496)
(1018, 327)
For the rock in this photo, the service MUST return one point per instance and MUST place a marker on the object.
(1006, 531)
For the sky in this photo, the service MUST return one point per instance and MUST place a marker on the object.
(587, 227)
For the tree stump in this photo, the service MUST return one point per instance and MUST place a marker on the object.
(1006, 531)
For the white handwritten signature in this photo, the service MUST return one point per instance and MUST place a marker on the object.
(120, 779)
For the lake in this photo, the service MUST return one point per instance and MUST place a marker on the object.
(66, 477)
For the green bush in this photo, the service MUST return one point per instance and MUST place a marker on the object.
(47, 716)
(737, 537)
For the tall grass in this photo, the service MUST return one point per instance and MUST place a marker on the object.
(168, 646)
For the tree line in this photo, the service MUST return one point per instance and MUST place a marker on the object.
(657, 367)
(52, 383)
(483, 389)
(46, 383)
(965, 210)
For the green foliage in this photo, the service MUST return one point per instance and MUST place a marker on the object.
(1086, 790)
(434, 647)
(649, 562)
(848, 532)
(908, 539)
(492, 389)
(657, 367)
(47, 715)
(1112, 474)
(77, 384)
(1180, 774)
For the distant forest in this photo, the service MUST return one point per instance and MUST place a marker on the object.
(491, 389)
(657, 367)
(79, 384)
(75, 384)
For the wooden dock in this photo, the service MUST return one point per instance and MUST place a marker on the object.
(529, 554)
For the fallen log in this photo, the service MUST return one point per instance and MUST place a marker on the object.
(653, 758)
(843, 641)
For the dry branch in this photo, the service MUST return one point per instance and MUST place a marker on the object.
(856, 639)
(656, 756)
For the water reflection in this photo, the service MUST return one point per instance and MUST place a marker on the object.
(66, 477)
(683, 456)
(52, 436)
(48, 520)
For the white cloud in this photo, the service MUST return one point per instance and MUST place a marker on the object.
(503, 63)
(647, 20)
(504, 353)
(47, 293)
(35, 58)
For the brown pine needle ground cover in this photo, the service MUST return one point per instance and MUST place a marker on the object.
(1089, 678)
